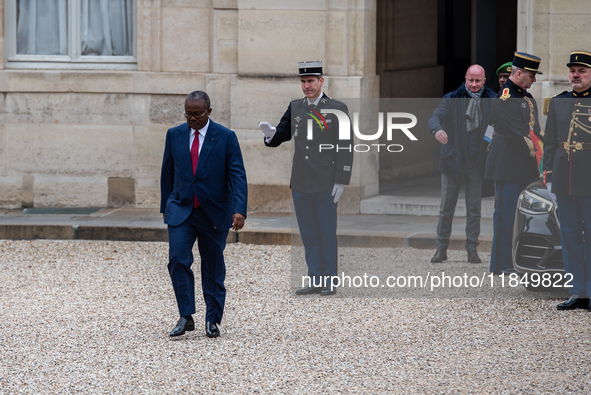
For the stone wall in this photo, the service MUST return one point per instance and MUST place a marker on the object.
(552, 29)
(95, 138)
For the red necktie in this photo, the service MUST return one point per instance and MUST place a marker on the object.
(194, 159)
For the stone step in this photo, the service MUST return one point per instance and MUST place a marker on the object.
(414, 205)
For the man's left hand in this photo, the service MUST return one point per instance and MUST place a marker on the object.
(237, 221)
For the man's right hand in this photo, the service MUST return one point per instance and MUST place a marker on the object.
(441, 136)
(267, 129)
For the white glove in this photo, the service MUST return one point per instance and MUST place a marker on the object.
(268, 130)
(552, 195)
(337, 190)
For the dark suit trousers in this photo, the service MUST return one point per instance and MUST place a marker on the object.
(317, 220)
(211, 244)
(450, 190)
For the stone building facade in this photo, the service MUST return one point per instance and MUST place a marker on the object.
(75, 134)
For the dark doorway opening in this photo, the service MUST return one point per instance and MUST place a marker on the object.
(423, 49)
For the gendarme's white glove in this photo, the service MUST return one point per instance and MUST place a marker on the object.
(337, 190)
(552, 195)
(268, 130)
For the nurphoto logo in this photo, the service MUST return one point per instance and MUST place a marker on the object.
(345, 130)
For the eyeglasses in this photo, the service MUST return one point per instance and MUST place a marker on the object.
(190, 115)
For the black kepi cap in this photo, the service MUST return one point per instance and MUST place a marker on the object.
(527, 62)
(581, 58)
(310, 67)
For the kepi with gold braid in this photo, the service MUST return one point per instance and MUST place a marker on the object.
(527, 62)
(581, 58)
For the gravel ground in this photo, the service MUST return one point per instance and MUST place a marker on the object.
(94, 317)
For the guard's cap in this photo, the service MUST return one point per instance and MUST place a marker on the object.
(505, 68)
(581, 58)
(527, 62)
(310, 67)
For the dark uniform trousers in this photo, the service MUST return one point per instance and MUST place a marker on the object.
(316, 214)
(314, 173)
(510, 164)
(507, 194)
(567, 164)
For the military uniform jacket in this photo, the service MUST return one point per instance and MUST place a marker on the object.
(510, 157)
(316, 168)
(567, 163)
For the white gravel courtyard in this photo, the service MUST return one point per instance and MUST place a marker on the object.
(94, 317)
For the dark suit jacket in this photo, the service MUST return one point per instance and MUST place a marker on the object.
(315, 170)
(219, 182)
(450, 116)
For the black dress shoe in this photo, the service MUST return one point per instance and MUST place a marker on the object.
(308, 291)
(211, 329)
(574, 303)
(473, 257)
(507, 272)
(440, 256)
(185, 324)
(325, 291)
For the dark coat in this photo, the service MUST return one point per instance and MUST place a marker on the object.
(450, 116)
(569, 169)
(315, 170)
(509, 158)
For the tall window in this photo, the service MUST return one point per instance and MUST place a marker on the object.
(70, 33)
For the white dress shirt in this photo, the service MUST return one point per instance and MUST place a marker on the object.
(202, 132)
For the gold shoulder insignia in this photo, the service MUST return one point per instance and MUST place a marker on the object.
(505, 94)
(546, 105)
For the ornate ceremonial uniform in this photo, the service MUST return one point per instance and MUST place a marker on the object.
(318, 164)
(511, 161)
(567, 146)
(511, 157)
(567, 165)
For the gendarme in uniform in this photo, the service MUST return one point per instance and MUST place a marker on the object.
(567, 167)
(319, 173)
(511, 161)
(567, 149)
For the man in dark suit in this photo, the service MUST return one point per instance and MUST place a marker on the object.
(567, 162)
(203, 193)
(318, 175)
(459, 124)
(511, 161)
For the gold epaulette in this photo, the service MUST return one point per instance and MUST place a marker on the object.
(546, 105)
